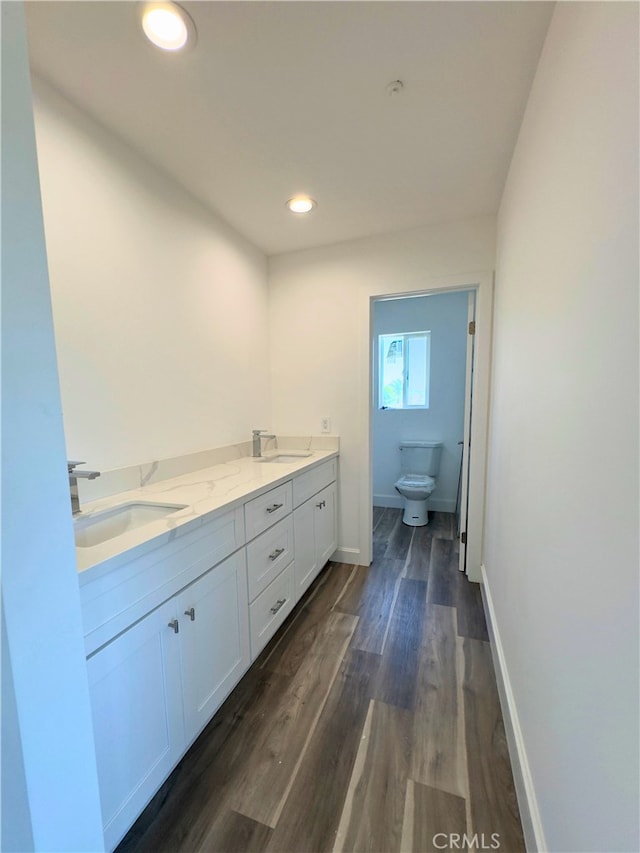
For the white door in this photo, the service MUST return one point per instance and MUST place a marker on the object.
(136, 702)
(466, 441)
(214, 639)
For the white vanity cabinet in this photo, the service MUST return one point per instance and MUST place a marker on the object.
(171, 628)
(315, 524)
(156, 686)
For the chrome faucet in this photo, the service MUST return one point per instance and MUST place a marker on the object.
(73, 483)
(257, 435)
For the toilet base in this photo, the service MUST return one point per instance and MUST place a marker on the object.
(416, 513)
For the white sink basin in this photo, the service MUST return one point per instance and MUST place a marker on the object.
(291, 456)
(100, 526)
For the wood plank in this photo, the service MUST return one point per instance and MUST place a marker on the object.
(335, 578)
(443, 580)
(492, 799)
(375, 609)
(399, 671)
(384, 528)
(419, 557)
(312, 811)
(270, 767)
(290, 648)
(471, 618)
(442, 525)
(350, 600)
(432, 820)
(438, 756)
(235, 833)
(374, 807)
(399, 540)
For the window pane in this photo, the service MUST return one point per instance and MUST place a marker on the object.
(417, 371)
(391, 371)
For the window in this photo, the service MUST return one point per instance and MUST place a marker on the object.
(403, 381)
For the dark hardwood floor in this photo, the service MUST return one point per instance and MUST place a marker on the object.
(371, 722)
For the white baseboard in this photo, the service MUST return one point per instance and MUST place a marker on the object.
(395, 501)
(347, 555)
(388, 500)
(527, 801)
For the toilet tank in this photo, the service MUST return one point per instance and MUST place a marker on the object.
(421, 457)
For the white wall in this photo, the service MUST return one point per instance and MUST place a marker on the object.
(319, 320)
(445, 316)
(50, 787)
(561, 539)
(160, 308)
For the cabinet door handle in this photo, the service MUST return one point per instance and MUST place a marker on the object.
(275, 554)
(191, 613)
(175, 625)
(319, 505)
(274, 507)
(278, 605)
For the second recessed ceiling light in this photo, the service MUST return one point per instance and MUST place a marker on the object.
(167, 26)
(301, 204)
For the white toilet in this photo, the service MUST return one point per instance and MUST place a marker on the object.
(419, 469)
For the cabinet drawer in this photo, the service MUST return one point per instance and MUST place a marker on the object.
(270, 609)
(268, 555)
(263, 512)
(312, 481)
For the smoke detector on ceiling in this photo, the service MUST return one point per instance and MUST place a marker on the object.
(394, 88)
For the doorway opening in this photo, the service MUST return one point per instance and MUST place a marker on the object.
(422, 361)
(469, 462)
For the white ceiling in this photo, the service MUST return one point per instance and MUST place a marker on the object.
(279, 98)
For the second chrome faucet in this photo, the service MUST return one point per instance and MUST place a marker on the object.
(73, 483)
(257, 435)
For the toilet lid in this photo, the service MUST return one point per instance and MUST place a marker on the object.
(416, 480)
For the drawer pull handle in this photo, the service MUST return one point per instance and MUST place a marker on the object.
(278, 605)
(321, 504)
(175, 625)
(274, 507)
(275, 554)
(191, 613)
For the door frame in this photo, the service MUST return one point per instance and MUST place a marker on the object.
(482, 284)
(466, 439)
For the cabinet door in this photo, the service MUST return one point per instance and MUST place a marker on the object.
(136, 702)
(326, 524)
(304, 536)
(214, 639)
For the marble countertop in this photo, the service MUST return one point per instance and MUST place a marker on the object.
(205, 493)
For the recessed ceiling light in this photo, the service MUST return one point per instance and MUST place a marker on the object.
(301, 204)
(167, 25)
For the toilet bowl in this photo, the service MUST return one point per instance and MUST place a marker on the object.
(420, 466)
(416, 490)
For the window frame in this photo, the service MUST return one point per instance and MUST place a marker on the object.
(384, 340)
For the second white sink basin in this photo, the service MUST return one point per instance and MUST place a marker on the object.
(100, 526)
(291, 456)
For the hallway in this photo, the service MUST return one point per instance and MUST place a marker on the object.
(371, 722)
